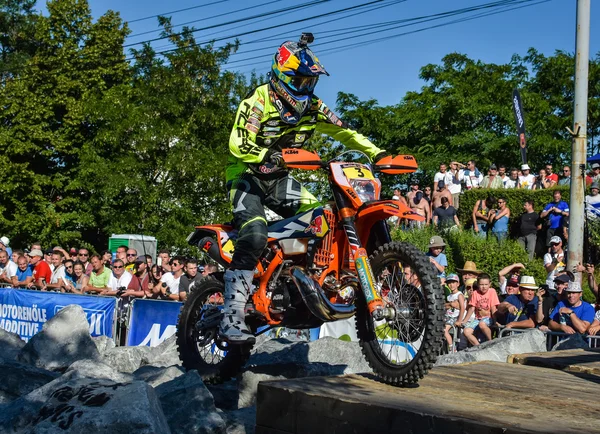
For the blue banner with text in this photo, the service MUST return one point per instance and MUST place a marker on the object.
(152, 321)
(24, 312)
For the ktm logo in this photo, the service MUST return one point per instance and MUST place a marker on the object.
(207, 245)
(290, 151)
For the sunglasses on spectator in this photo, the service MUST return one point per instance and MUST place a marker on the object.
(468, 287)
(117, 266)
(84, 254)
(130, 254)
(68, 266)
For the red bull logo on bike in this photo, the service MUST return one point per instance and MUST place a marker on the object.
(318, 226)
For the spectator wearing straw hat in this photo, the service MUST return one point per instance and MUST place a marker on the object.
(573, 315)
(526, 180)
(469, 271)
(437, 257)
(519, 311)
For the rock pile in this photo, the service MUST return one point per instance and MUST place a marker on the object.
(63, 380)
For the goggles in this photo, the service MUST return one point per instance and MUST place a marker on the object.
(303, 84)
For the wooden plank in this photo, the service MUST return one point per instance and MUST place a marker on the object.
(484, 397)
(585, 361)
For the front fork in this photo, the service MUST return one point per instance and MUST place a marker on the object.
(375, 304)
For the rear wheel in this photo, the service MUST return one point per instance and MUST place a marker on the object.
(401, 349)
(198, 341)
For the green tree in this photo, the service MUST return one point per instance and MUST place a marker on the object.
(45, 123)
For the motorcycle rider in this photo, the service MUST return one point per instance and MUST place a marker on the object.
(282, 113)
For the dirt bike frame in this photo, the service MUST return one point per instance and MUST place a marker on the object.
(344, 230)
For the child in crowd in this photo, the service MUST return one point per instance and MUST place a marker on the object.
(455, 308)
(437, 258)
(483, 303)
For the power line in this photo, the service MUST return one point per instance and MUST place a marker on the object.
(278, 25)
(228, 22)
(177, 11)
(204, 19)
(404, 23)
(503, 4)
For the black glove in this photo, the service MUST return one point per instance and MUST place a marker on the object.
(380, 156)
(274, 157)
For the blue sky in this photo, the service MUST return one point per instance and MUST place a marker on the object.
(385, 70)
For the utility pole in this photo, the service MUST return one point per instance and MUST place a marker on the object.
(579, 133)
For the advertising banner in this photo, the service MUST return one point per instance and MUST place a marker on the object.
(24, 312)
(152, 321)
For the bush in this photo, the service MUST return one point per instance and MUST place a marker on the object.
(489, 255)
(514, 200)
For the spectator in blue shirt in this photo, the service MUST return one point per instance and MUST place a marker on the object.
(437, 258)
(555, 212)
(24, 274)
(574, 315)
(518, 311)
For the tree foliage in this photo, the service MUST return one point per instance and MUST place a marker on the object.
(464, 111)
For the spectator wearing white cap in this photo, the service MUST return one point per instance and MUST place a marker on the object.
(595, 175)
(5, 245)
(526, 180)
(555, 260)
(41, 270)
(519, 310)
(556, 212)
(592, 201)
(8, 269)
(573, 315)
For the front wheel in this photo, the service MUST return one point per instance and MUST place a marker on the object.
(401, 349)
(198, 341)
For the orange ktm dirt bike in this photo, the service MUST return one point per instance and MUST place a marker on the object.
(327, 264)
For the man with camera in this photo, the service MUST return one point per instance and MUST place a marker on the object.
(119, 279)
(169, 282)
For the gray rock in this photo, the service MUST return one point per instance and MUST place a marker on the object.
(498, 350)
(225, 395)
(242, 421)
(64, 339)
(155, 375)
(101, 407)
(346, 355)
(17, 379)
(279, 359)
(11, 344)
(98, 370)
(77, 405)
(103, 343)
(164, 354)
(573, 342)
(189, 406)
(125, 359)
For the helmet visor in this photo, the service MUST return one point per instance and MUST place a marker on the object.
(303, 84)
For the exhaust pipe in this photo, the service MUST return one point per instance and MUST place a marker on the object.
(315, 299)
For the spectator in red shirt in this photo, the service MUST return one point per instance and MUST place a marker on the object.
(550, 175)
(41, 270)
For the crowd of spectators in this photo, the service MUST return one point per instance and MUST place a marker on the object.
(126, 276)
(479, 310)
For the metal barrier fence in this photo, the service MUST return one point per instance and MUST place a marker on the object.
(552, 337)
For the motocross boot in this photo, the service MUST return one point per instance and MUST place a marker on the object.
(238, 284)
